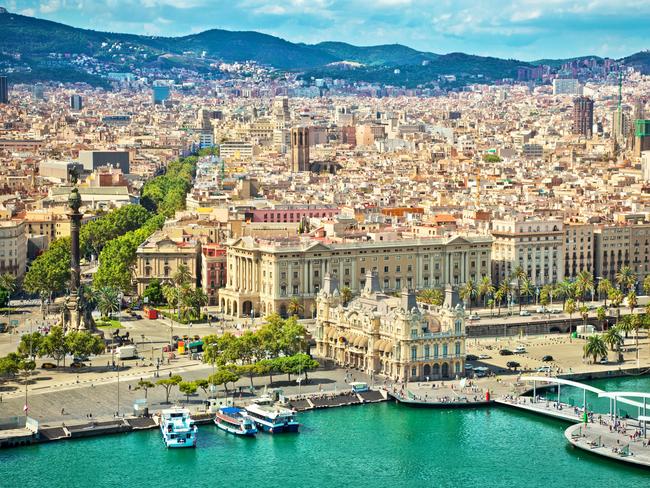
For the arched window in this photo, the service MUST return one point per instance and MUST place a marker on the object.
(458, 327)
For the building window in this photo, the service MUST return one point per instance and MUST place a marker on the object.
(414, 353)
(458, 349)
(458, 327)
(444, 350)
(427, 351)
(435, 351)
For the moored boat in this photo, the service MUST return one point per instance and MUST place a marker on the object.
(235, 421)
(177, 428)
(272, 419)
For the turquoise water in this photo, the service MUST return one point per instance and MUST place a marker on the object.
(382, 445)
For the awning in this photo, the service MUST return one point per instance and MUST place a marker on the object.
(363, 342)
(388, 346)
(379, 345)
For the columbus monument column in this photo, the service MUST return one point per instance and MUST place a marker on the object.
(75, 314)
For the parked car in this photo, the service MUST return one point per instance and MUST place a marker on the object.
(547, 358)
(506, 352)
(603, 361)
(48, 366)
(78, 365)
(544, 369)
(555, 310)
(541, 310)
(520, 350)
(475, 316)
(524, 313)
(484, 356)
(513, 364)
(471, 357)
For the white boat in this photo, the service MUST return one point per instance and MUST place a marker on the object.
(272, 419)
(235, 421)
(177, 427)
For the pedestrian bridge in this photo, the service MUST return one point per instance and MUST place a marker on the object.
(563, 411)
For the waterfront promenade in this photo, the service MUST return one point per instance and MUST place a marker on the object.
(624, 442)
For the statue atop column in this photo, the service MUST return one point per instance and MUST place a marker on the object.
(76, 316)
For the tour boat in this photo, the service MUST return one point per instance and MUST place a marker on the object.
(177, 427)
(235, 421)
(272, 419)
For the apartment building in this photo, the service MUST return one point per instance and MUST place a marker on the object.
(159, 257)
(213, 271)
(578, 248)
(616, 246)
(535, 245)
(264, 275)
(13, 248)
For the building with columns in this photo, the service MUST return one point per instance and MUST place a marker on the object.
(393, 337)
(263, 276)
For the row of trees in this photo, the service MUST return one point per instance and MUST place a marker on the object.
(614, 337)
(55, 345)
(277, 347)
(520, 286)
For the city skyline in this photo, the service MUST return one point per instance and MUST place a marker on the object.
(527, 30)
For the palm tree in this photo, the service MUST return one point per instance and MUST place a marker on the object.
(438, 297)
(486, 289)
(295, 307)
(171, 294)
(503, 293)
(601, 315)
(632, 301)
(595, 347)
(9, 283)
(468, 292)
(625, 278)
(584, 284)
(604, 288)
(584, 313)
(635, 323)
(498, 298)
(570, 308)
(527, 290)
(616, 297)
(613, 338)
(566, 290)
(646, 285)
(346, 295)
(520, 275)
(108, 300)
(546, 294)
(182, 276)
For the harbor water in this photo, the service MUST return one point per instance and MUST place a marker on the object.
(382, 445)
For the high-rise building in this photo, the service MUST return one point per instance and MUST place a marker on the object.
(583, 116)
(76, 102)
(159, 93)
(4, 89)
(641, 137)
(566, 86)
(299, 149)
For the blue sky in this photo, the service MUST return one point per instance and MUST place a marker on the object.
(522, 29)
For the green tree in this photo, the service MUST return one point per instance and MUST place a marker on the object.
(625, 279)
(187, 388)
(293, 338)
(616, 297)
(584, 284)
(646, 285)
(527, 289)
(8, 283)
(80, 344)
(183, 275)
(584, 313)
(565, 289)
(153, 292)
(468, 292)
(49, 273)
(613, 338)
(223, 376)
(10, 364)
(570, 308)
(486, 289)
(346, 295)
(601, 315)
(604, 289)
(30, 345)
(108, 300)
(204, 384)
(305, 363)
(55, 345)
(595, 347)
(295, 308)
(632, 301)
(168, 383)
(145, 385)
(520, 275)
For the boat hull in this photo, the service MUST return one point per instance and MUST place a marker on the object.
(290, 427)
(235, 430)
